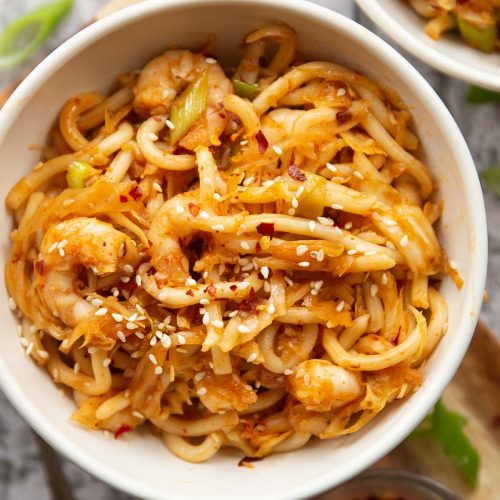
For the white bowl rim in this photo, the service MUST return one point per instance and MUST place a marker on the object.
(444, 121)
(426, 53)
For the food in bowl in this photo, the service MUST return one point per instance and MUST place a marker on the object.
(240, 258)
(476, 21)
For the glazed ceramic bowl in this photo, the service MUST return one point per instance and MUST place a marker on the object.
(139, 463)
(450, 54)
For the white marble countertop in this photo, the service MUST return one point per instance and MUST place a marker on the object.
(29, 469)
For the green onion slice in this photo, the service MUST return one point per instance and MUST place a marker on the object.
(244, 89)
(78, 173)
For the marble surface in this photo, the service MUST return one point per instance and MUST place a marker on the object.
(29, 469)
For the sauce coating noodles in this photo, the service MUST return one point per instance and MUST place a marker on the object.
(238, 263)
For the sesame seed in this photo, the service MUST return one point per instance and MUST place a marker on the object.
(301, 249)
(390, 244)
(331, 167)
(139, 335)
(179, 209)
(202, 391)
(23, 341)
(106, 362)
(352, 251)
(340, 306)
(299, 192)
(277, 150)
(131, 326)
(287, 372)
(389, 222)
(138, 280)
(384, 279)
(243, 329)
(404, 241)
(166, 341)
(288, 281)
(217, 197)
(304, 263)
(61, 252)
(157, 187)
(252, 357)
(337, 206)
(271, 308)
(218, 227)
(12, 304)
(52, 247)
(211, 60)
(206, 319)
(190, 282)
(124, 279)
(43, 354)
(117, 317)
(311, 225)
(152, 136)
(138, 414)
(204, 301)
(370, 252)
(348, 225)
(232, 314)
(265, 272)
(373, 290)
(101, 312)
(169, 124)
(153, 341)
(295, 202)
(68, 202)
(248, 181)
(158, 370)
(243, 285)
(245, 245)
(76, 368)
(291, 211)
(133, 317)
(268, 183)
(217, 323)
(29, 349)
(152, 358)
(204, 214)
(341, 91)
(121, 336)
(321, 256)
(198, 377)
(453, 264)
(359, 175)
(325, 221)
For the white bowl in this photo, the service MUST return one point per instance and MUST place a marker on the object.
(140, 464)
(450, 54)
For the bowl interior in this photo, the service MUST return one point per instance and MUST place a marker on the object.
(139, 463)
(449, 54)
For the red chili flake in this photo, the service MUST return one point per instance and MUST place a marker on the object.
(190, 293)
(135, 193)
(39, 266)
(250, 303)
(258, 248)
(462, 2)
(179, 150)
(122, 430)
(194, 209)
(266, 229)
(262, 61)
(222, 115)
(261, 142)
(233, 288)
(210, 290)
(295, 173)
(123, 198)
(343, 117)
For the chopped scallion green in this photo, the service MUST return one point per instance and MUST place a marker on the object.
(24, 35)
(478, 95)
(244, 89)
(78, 173)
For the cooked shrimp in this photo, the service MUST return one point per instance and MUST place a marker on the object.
(166, 76)
(71, 245)
(321, 386)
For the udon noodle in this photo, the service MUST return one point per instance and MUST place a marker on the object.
(244, 262)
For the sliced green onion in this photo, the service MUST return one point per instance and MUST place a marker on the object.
(78, 173)
(24, 35)
(244, 89)
(482, 39)
(447, 428)
(478, 95)
(189, 107)
(491, 179)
